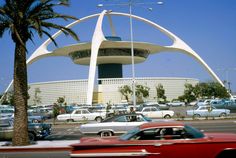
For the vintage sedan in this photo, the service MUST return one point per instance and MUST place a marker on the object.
(207, 111)
(117, 124)
(154, 112)
(82, 115)
(36, 131)
(159, 140)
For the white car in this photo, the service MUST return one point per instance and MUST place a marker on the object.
(154, 112)
(117, 124)
(207, 111)
(176, 103)
(82, 115)
(203, 102)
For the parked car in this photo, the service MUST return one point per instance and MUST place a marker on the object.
(203, 102)
(176, 103)
(118, 109)
(207, 111)
(114, 125)
(224, 104)
(36, 130)
(6, 112)
(33, 118)
(160, 106)
(82, 115)
(36, 118)
(154, 112)
(163, 139)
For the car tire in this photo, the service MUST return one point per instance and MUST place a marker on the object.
(106, 134)
(222, 115)
(229, 153)
(196, 116)
(32, 137)
(35, 121)
(70, 120)
(167, 116)
(98, 119)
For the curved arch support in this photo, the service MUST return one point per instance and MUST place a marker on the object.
(98, 38)
(178, 44)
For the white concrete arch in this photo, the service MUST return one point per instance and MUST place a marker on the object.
(178, 44)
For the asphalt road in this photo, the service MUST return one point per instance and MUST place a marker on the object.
(226, 125)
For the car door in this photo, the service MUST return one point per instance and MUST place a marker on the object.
(203, 111)
(86, 115)
(165, 143)
(156, 113)
(146, 112)
(77, 115)
(119, 125)
(132, 122)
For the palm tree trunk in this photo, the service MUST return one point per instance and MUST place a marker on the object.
(20, 135)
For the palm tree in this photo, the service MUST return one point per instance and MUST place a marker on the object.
(125, 91)
(22, 18)
(142, 92)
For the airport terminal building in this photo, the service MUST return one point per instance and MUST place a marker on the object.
(75, 91)
(107, 53)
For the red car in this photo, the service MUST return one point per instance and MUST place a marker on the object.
(160, 140)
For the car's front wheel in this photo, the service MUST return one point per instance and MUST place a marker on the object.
(70, 120)
(106, 134)
(98, 119)
(32, 137)
(167, 116)
(196, 116)
(223, 115)
(35, 121)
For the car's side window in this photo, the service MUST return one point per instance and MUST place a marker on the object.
(153, 109)
(85, 112)
(78, 112)
(140, 118)
(121, 119)
(150, 134)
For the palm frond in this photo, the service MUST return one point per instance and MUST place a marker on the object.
(65, 30)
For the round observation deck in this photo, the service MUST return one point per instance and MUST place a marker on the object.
(110, 56)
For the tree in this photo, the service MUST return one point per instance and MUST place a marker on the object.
(61, 100)
(22, 18)
(125, 91)
(160, 92)
(189, 95)
(204, 90)
(141, 92)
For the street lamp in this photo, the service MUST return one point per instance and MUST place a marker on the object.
(226, 71)
(130, 3)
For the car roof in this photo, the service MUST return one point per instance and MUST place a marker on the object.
(116, 116)
(161, 124)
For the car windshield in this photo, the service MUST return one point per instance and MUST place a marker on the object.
(147, 118)
(129, 134)
(195, 133)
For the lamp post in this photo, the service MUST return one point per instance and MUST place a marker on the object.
(226, 71)
(130, 3)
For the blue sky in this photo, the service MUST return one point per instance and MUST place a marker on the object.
(207, 26)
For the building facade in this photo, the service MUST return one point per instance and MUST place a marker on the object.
(75, 91)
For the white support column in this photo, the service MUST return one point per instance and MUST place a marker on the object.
(113, 32)
(97, 40)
